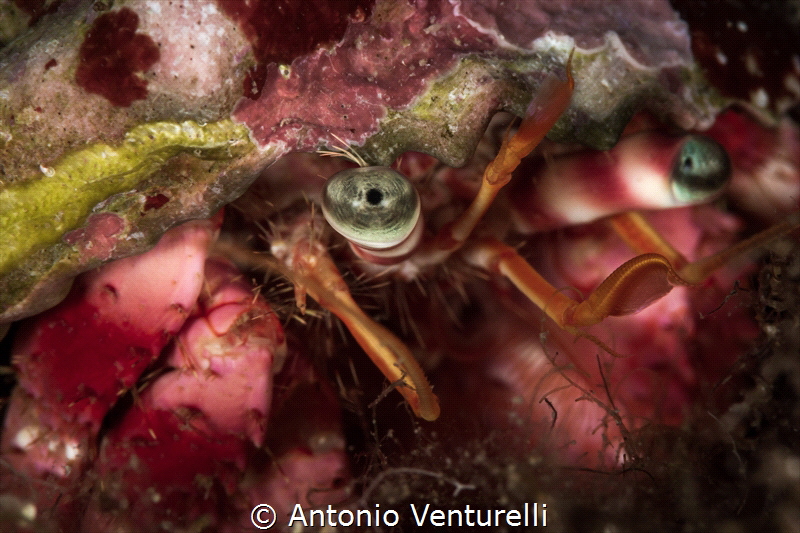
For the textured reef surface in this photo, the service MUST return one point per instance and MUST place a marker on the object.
(153, 381)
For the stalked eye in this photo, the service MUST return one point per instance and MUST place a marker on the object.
(373, 207)
(701, 169)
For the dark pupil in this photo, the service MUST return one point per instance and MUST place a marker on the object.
(374, 196)
(688, 164)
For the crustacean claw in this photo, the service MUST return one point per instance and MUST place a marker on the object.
(319, 277)
(544, 110)
(304, 260)
(378, 212)
(631, 287)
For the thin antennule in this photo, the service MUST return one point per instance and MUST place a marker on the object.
(344, 151)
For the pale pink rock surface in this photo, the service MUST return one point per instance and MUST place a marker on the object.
(77, 359)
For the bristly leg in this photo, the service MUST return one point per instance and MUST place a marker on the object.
(303, 258)
(631, 287)
(544, 110)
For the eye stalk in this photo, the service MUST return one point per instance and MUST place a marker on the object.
(375, 208)
(701, 169)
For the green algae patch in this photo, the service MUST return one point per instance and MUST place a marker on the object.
(36, 213)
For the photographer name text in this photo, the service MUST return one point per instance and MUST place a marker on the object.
(530, 515)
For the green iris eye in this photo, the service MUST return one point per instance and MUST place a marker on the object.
(701, 169)
(374, 207)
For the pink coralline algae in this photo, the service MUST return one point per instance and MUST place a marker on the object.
(97, 239)
(196, 427)
(370, 61)
(206, 414)
(389, 61)
(281, 31)
(76, 360)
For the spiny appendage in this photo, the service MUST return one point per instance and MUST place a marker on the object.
(696, 272)
(308, 265)
(547, 105)
(344, 150)
(630, 288)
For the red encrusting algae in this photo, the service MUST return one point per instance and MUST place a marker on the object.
(112, 56)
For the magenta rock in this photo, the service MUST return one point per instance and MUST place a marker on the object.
(76, 360)
(178, 453)
(189, 450)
